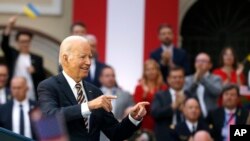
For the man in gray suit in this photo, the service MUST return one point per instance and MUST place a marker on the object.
(203, 85)
(109, 87)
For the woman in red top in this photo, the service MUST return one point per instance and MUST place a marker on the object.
(150, 83)
(229, 70)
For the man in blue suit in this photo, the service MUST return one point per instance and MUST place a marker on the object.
(168, 55)
(86, 110)
(5, 95)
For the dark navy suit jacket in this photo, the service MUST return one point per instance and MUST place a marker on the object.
(55, 95)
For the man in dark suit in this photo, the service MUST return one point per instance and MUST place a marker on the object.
(22, 62)
(5, 95)
(86, 110)
(167, 105)
(96, 66)
(15, 113)
(167, 55)
(185, 130)
(230, 114)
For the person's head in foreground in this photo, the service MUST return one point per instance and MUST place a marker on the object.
(202, 136)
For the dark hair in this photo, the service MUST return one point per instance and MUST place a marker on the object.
(176, 68)
(77, 24)
(230, 87)
(164, 25)
(106, 67)
(19, 33)
(138, 133)
(221, 62)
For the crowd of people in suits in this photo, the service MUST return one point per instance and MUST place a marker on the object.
(184, 105)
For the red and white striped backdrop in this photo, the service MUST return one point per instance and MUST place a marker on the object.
(126, 31)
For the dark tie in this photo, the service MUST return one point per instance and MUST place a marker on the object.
(194, 129)
(80, 99)
(21, 120)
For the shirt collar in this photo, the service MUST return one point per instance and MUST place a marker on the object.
(167, 47)
(105, 89)
(70, 80)
(172, 91)
(230, 111)
(25, 102)
(190, 124)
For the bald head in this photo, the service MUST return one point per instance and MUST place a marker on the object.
(19, 88)
(202, 136)
(74, 56)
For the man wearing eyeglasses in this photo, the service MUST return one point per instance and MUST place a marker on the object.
(203, 85)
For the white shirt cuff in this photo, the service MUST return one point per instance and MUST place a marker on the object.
(85, 109)
(135, 122)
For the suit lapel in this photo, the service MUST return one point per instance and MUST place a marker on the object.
(10, 106)
(64, 86)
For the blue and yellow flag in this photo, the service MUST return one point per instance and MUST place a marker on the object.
(31, 11)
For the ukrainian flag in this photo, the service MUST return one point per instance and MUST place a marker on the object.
(31, 11)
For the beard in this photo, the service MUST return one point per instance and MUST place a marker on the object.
(167, 42)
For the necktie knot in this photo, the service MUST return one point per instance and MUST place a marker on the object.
(21, 106)
(78, 86)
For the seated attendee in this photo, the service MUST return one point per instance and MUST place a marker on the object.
(203, 85)
(168, 55)
(167, 105)
(185, 130)
(230, 114)
(109, 87)
(78, 28)
(150, 83)
(5, 95)
(229, 71)
(96, 66)
(15, 113)
(202, 136)
(20, 61)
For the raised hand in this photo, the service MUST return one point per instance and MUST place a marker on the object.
(103, 101)
(139, 111)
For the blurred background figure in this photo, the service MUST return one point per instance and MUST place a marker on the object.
(150, 83)
(124, 100)
(22, 62)
(229, 70)
(167, 105)
(96, 66)
(143, 135)
(229, 114)
(203, 85)
(202, 136)
(16, 112)
(78, 28)
(5, 95)
(185, 130)
(168, 55)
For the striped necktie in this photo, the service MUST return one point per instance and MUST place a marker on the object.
(80, 99)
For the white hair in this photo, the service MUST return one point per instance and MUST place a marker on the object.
(66, 45)
(91, 37)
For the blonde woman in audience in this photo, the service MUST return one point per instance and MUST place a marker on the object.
(150, 83)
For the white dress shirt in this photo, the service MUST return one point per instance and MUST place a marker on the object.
(2, 96)
(92, 69)
(16, 117)
(21, 69)
(173, 97)
(84, 106)
(191, 126)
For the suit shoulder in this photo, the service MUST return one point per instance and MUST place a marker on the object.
(49, 81)
(156, 51)
(91, 86)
